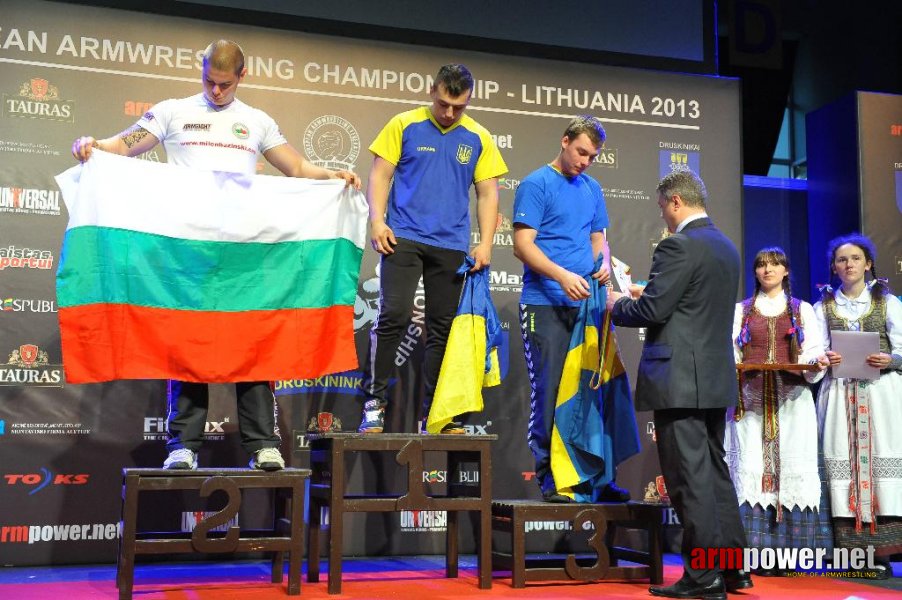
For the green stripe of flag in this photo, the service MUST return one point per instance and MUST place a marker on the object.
(128, 267)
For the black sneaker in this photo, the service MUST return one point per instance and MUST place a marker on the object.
(555, 498)
(614, 493)
(373, 417)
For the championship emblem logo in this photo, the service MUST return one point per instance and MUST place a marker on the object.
(332, 142)
(240, 130)
(464, 153)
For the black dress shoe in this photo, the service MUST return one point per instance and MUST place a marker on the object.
(613, 493)
(737, 579)
(685, 588)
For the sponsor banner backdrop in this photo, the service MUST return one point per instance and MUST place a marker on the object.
(94, 71)
(880, 168)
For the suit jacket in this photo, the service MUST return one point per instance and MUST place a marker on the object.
(687, 308)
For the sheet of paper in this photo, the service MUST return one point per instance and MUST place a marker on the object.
(621, 275)
(854, 347)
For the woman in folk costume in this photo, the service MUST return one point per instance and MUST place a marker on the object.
(862, 419)
(771, 436)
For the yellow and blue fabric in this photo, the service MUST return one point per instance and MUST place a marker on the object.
(564, 211)
(471, 354)
(429, 201)
(594, 421)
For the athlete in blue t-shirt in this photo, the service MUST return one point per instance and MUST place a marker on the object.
(559, 223)
(425, 161)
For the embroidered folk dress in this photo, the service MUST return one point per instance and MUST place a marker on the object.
(880, 438)
(792, 456)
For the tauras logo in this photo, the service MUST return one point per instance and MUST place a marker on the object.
(607, 158)
(38, 99)
(29, 365)
(29, 201)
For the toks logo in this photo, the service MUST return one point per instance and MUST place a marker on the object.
(38, 481)
(38, 99)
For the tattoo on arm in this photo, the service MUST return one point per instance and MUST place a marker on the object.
(133, 135)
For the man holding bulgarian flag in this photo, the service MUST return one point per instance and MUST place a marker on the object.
(220, 294)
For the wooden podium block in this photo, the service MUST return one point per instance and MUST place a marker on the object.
(328, 455)
(510, 517)
(286, 535)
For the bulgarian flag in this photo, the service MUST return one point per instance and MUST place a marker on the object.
(170, 272)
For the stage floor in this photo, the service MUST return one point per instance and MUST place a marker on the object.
(414, 578)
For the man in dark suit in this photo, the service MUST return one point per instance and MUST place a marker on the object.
(688, 378)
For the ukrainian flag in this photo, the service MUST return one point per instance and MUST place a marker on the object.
(471, 354)
(594, 421)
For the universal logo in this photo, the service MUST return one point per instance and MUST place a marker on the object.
(332, 142)
(29, 201)
(38, 99)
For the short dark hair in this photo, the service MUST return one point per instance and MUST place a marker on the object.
(456, 78)
(589, 125)
(685, 184)
(224, 55)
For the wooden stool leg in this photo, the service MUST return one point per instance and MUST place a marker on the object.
(518, 550)
(295, 555)
(313, 541)
(336, 516)
(485, 517)
(656, 550)
(125, 576)
(451, 544)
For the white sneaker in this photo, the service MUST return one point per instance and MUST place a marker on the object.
(181, 459)
(267, 459)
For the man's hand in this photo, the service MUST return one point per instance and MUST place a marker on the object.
(382, 238)
(602, 275)
(351, 179)
(482, 254)
(574, 286)
(636, 291)
(612, 299)
(82, 147)
(822, 362)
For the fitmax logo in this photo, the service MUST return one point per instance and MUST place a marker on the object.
(158, 425)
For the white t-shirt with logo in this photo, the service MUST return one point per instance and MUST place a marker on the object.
(196, 135)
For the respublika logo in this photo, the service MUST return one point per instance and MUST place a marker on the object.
(35, 482)
(29, 201)
(27, 305)
(506, 183)
(38, 99)
(25, 258)
(29, 365)
(332, 142)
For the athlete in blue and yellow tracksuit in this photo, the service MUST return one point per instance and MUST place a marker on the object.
(425, 161)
